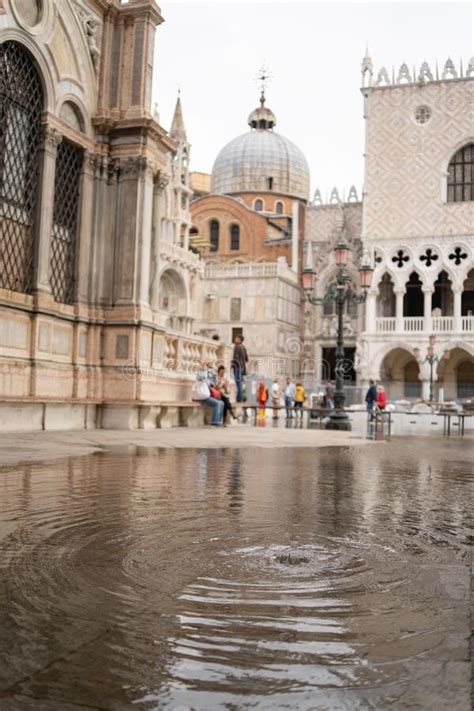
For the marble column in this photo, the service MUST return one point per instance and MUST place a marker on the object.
(457, 315)
(427, 318)
(370, 312)
(44, 222)
(85, 241)
(399, 294)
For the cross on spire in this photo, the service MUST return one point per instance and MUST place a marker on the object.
(263, 78)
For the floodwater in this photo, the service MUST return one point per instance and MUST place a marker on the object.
(185, 579)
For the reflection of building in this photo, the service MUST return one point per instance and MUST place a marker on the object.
(95, 274)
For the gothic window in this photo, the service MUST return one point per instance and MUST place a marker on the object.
(214, 235)
(461, 175)
(67, 184)
(279, 208)
(258, 205)
(234, 237)
(21, 103)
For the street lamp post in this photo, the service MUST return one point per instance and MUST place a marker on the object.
(340, 293)
(431, 359)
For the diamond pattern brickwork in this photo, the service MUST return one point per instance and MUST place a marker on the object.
(21, 103)
(406, 165)
(65, 222)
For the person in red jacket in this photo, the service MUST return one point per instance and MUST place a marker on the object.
(381, 398)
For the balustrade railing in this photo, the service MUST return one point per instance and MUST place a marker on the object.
(442, 323)
(413, 324)
(188, 354)
(467, 323)
(385, 324)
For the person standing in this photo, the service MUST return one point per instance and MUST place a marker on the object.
(262, 397)
(300, 397)
(371, 399)
(329, 395)
(276, 398)
(381, 398)
(239, 366)
(289, 397)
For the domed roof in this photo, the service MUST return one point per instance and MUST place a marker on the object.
(261, 161)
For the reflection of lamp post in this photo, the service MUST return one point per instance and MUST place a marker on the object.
(432, 359)
(340, 293)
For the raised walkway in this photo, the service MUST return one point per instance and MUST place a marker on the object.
(20, 447)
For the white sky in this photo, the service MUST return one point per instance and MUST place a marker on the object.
(314, 50)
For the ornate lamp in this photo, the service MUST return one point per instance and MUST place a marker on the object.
(308, 280)
(365, 276)
(342, 254)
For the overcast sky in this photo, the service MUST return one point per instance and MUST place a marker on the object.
(213, 51)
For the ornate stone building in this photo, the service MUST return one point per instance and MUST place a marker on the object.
(414, 222)
(417, 224)
(98, 290)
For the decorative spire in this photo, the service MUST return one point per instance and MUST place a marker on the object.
(178, 130)
(262, 118)
(367, 68)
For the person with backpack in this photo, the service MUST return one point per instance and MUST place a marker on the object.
(371, 399)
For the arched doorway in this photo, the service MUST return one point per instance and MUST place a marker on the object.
(465, 379)
(399, 373)
(456, 374)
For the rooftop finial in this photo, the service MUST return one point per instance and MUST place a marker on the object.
(263, 78)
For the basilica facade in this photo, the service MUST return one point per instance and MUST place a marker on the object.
(117, 280)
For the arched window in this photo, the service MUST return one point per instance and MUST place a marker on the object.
(461, 175)
(234, 237)
(67, 185)
(279, 208)
(214, 235)
(259, 205)
(21, 104)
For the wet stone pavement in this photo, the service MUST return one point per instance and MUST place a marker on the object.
(331, 578)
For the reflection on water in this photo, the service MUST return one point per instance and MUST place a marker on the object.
(229, 579)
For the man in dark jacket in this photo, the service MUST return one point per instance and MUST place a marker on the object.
(371, 399)
(239, 366)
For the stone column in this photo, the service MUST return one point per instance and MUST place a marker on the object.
(427, 318)
(146, 234)
(370, 311)
(399, 294)
(85, 241)
(133, 232)
(159, 184)
(44, 222)
(457, 316)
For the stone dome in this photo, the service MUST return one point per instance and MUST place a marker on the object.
(261, 161)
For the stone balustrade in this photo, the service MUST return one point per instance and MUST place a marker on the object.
(416, 324)
(180, 256)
